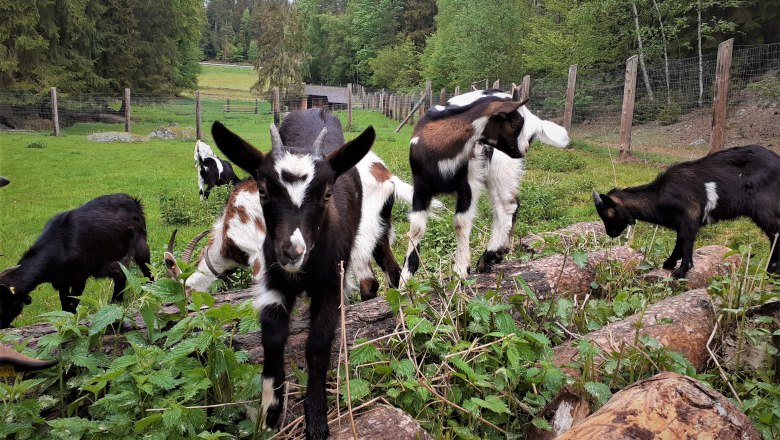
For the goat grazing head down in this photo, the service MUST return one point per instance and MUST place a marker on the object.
(740, 181)
(310, 194)
(212, 171)
(89, 241)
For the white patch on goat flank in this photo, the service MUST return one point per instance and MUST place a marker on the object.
(269, 398)
(712, 201)
(297, 165)
(470, 97)
(448, 167)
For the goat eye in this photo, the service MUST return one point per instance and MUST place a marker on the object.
(327, 195)
(261, 191)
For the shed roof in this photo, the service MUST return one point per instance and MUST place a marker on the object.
(336, 95)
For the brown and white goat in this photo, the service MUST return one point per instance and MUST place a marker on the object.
(88, 241)
(478, 139)
(311, 197)
(741, 181)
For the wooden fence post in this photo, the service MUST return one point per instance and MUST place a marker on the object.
(227, 108)
(457, 90)
(720, 100)
(198, 126)
(443, 96)
(257, 105)
(304, 103)
(276, 106)
(55, 115)
(428, 93)
(570, 97)
(349, 105)
(627, 115)
(525, 89)
(127, 110)
(497, 84)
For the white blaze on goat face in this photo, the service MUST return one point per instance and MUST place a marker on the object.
(301, 167)
(712, 201)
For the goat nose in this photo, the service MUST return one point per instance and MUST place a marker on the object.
(293, 252)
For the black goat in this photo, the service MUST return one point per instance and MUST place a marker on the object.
(212, 171)
(4, 181)
(89, 241)
(310, 192)
(741, 181)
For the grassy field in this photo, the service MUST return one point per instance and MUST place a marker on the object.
(69, 170)
(226, 82)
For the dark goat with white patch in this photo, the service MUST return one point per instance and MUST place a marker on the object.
(478, 139)
(741, 181)
(89, 241)
(310, 192)
(212, 171)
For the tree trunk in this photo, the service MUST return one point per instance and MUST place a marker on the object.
(666, 55)
(641, 53)
(701, 59)
(667, 405)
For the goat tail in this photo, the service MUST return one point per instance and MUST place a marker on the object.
(405, 191)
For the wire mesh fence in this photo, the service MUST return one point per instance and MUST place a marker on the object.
(664, 92)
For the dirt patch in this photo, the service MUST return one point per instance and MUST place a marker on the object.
(751, 120)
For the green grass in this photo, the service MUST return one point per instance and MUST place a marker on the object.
(69, 170)
(226, 82)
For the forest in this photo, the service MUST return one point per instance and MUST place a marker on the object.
(153, 47)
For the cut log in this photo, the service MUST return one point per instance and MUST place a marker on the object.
(666, 405)
(555, 274)
(708, 261)
(568, 408)
(592, 232)
(381, 423)
(681, 323)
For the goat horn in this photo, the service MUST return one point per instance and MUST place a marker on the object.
(277, 146)
(187, 254)
(597, 199)
(7, 271)
(172, 241)
(320, 140)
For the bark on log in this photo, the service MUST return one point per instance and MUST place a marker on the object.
(692, 320)
(708, 261)
(584, 231)
(381, 423)
(549, 275)
(666, 405)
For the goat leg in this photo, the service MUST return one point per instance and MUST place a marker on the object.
(324, 318)
(686, 236)
(671, 262)
(275, 322)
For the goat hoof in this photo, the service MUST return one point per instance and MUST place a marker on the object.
(680, 273)
(488, 260)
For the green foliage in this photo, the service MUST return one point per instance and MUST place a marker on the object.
(669, 114)
(180, 209)
(395, 67)
(148, 384)
(36, 144)
(281, 48)
(767, 87)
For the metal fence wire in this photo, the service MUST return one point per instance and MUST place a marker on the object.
(659, 97)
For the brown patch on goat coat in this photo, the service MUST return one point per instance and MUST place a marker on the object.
(439, 135)
(380, 172)
(256, 268)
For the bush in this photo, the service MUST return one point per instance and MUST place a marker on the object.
(768, 87)
(183, 210)
(36, 144)
(669, 114)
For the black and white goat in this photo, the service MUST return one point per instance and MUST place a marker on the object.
(89, 241)
(212, 171)
(237, 236)
(741, 181)
(478, 139)
(311, 195)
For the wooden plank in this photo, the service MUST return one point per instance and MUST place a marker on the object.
(497, 84)
(276, 106)
(525, 88)
(627, 115)
(349, 105)
(127, 110)
(570, 97)
(720, 100)
(55, 114)
(198, 114)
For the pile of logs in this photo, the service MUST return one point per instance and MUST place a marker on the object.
(666, 405)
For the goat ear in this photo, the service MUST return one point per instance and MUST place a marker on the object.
(352, 152)
(504, 107)
(237, 150)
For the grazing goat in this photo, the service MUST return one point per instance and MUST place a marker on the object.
(212, 171)
(311, 195)
(89, 241)
(478, 139)
(741, 181)
(4, 181)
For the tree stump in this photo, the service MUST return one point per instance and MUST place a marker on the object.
(667, 405)
(708, 261)
(381, 423)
